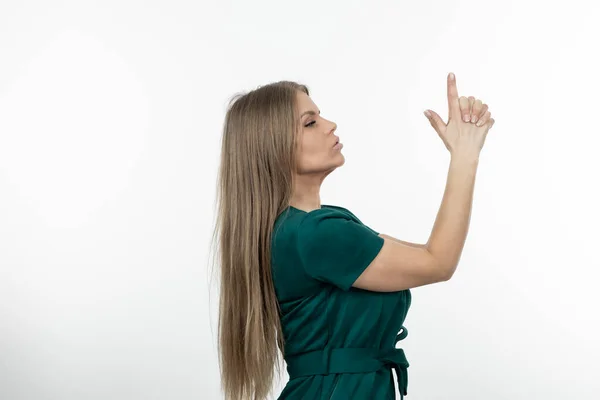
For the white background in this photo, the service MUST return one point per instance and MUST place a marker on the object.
(110, 120)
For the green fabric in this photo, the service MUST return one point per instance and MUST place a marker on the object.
(339, 340)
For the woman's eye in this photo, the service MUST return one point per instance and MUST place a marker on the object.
(309, 124)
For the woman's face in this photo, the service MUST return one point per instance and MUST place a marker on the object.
(316, 152)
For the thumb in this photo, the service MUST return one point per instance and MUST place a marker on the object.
(435, 120)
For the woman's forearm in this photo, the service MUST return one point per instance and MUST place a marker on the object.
(452, 223)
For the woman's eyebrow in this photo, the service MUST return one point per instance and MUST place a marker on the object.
(311, 112)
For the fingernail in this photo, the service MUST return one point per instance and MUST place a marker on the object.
(466, 118)
(479, 123)
(451, 76)
(473, 118)
(427, 114)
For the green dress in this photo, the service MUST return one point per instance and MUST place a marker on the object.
(339, 340)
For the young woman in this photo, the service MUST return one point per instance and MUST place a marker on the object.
(310, 281)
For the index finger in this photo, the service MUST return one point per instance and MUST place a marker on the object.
(453, 104)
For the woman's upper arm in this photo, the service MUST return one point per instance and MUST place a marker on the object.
(399, 267)
(402, 241)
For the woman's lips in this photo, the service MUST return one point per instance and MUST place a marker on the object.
(338, 146)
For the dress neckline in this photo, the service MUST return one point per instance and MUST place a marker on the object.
(306, 212)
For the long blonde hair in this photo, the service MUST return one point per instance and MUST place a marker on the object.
(254, 185)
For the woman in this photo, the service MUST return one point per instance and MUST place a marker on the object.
(311, 278)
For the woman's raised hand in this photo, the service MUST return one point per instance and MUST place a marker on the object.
(469, 121)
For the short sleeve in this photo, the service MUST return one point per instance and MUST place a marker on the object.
(372, 230)
(375, 232)
(335, 249)
(355, 217)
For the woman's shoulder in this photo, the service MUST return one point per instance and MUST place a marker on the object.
(337, 208)
(326, 212)
(291, 219)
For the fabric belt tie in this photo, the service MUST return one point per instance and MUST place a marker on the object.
(351, 360)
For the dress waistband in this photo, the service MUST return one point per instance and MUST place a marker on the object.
(352, 360)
